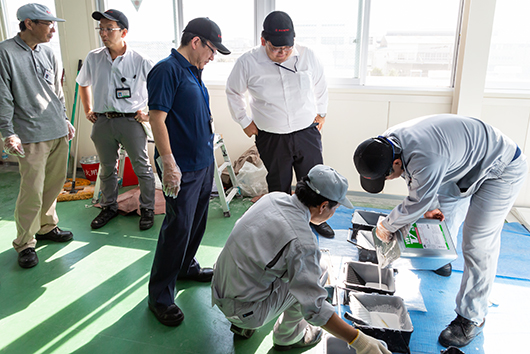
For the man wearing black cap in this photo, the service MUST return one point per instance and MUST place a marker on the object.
(289, 101)
(115, 76)
(183, 129)
(34, 128)
(456, 168)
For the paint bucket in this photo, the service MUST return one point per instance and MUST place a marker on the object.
(390, 319)
(361, 276)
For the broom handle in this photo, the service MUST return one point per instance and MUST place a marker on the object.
(72, 120)
(76, 120)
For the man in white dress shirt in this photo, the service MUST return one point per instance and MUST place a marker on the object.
(116, 76)
(288, 101)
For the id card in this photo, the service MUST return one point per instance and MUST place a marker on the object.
(123, 92)
(48, 76)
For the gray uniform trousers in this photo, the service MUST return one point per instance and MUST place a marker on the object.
(107, 134)
(483, 214)
(289, 327)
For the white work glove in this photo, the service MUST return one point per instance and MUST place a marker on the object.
(13, 146)
(71, 130)
(364, 344)
(382, 233)
(171, 176)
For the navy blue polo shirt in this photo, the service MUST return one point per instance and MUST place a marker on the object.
(173, 87)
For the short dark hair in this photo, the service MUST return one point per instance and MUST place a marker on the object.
(308, 197)
(22, 26)
(188, 36)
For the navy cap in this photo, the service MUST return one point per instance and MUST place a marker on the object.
(278, 29)
(208, 29)
(373, 160)
(113, 15)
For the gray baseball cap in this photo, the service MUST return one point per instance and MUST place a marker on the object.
(36, 12)
(330, 184)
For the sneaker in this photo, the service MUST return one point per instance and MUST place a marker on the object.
(460, 332)
(444, 271)
(312, 336)
(242, 332)
(28, 258)
(147, 218)
(103, 218)
(323, 230)
(56, 235)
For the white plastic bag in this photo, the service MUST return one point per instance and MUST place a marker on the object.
(251, 179)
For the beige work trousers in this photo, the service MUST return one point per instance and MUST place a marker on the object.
(42, 177)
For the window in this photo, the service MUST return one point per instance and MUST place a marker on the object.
(12, 22)
(509, 58)
(412, 43)
(151, 31)
(360, 42)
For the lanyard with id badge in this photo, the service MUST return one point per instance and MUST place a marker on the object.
(123, 92)
(48, 76)
(212, 129)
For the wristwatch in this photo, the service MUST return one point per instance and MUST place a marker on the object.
(323, 115)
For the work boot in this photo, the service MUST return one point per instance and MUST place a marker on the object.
(444, 271)
(242, 332)
(103, 218)
(460, 332)
(56, 235)
(323, 230)
(312, 336)
(147, 218)
(28, 258)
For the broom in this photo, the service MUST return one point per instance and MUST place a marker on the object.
(75, 193)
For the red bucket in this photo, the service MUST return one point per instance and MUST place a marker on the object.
(91, 171)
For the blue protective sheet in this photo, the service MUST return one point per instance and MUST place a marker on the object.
(508, 321)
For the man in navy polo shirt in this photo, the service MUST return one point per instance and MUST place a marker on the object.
(183, 130)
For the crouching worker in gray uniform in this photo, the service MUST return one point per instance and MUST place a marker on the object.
(457, 169)
(270, 265)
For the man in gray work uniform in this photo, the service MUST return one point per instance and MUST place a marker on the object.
(34, 128)
(116, 76)
(457, 169)
(270, 266)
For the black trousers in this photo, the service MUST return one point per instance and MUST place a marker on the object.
(180, 235)
(281, 153)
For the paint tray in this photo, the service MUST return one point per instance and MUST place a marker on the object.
(427, 246)
(387, 318)
(362, 276)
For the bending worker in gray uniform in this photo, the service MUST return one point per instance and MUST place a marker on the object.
(270, 265)
(118, 76)
(457, 169)
(34, 128)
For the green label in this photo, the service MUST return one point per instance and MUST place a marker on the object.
(413, 240)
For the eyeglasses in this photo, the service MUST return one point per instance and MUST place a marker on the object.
(279, 49)
(49, 24)
(108, 29)
(214, 52)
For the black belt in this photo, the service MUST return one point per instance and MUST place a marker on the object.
(117, 115)
(517, 154)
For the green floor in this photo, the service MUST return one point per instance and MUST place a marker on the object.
(89, 295)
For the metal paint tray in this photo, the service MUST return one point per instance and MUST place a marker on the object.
(362, 276)
(396, 337)
(427, 246)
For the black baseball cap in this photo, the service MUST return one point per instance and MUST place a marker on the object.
(278, 29)
(373, 160)
(113, 15)
(208, 29)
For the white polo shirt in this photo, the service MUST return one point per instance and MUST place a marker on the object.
(282, 99)
(106, 76)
